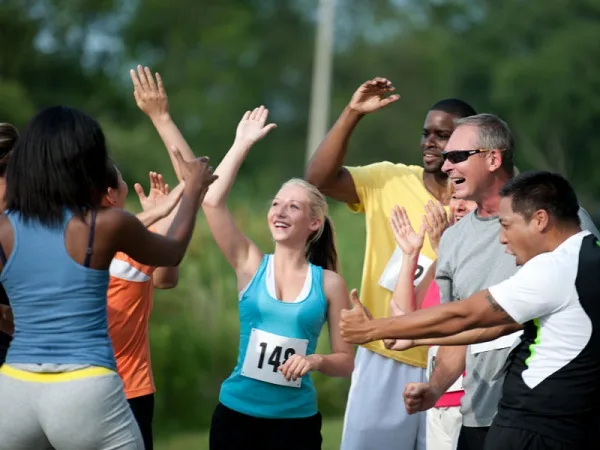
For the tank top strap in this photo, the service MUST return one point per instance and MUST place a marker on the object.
(2, 255)
(317, 276)
(88, 251)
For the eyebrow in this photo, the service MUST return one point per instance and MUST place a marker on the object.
(291, 200)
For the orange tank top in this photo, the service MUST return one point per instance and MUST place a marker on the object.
(130, 299)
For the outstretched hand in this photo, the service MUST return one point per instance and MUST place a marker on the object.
(355, 323)
(252, 128)
(150, 96)
(159, 195)
(409, 241)
(436, 221)
(371, 96)
(158, 191)
(197, 174)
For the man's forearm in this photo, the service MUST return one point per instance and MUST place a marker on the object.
(423, 324)
(474, 336)
(449, 366)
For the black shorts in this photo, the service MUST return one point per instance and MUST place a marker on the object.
(472, 438)
(231, 430)
(504, 438)
(143, 411)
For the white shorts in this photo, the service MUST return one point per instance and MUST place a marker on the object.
(375, 415)
(443, 428)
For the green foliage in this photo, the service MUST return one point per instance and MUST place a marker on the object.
(531, 61)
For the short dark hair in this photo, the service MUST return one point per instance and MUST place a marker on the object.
(537, 189)
(456, 107)
(59, 162)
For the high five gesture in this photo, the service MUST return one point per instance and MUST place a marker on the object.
(151, 97)
(371, 96)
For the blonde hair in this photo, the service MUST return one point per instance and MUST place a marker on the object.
(320, 247)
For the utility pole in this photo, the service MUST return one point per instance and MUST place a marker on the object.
(320, 98)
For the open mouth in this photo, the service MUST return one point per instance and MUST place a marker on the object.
(281, 225)
(457, 181)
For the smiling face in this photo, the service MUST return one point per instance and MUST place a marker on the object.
(291, 217)
(459, 208)
(437, 129)
(470, 177)
(521, 238)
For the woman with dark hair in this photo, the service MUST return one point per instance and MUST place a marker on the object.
(56, 245)
(131, 286)
(8, 138)
(285, 298)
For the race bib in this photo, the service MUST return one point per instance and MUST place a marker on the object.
(502, 342)
(389, 277)
(457, 386)
(266, 352)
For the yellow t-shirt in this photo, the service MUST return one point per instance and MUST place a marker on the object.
(380, 187)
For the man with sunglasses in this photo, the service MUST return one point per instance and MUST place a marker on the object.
(375, 414)
(478, 160)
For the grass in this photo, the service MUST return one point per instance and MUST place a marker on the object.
(331, 431)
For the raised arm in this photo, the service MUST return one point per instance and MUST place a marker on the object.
(411, 243)
(340, 362)
(325, 169)
(131, 237)
(243, 255)
(160, 197)
(151, 98)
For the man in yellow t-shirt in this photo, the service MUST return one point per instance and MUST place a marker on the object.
(375, 415)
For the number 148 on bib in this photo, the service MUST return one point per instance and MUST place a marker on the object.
(266, 352)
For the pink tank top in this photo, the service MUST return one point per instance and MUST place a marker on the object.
(432, 298)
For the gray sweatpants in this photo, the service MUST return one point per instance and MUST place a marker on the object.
(84, 414)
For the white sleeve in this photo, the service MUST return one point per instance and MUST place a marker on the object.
(536, 290)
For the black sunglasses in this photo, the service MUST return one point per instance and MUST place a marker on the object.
(458, 156)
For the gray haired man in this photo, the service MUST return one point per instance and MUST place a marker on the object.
(478, 161)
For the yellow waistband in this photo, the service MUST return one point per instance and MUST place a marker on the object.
(23, 375)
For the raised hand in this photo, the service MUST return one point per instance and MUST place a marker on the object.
(370, 96)
(252, 128)
(407, 239)
(149, 95)
(197, 174)
(158, 190)
(436, 223)
(159, 196)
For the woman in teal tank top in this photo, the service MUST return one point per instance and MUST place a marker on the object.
(269, 401)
